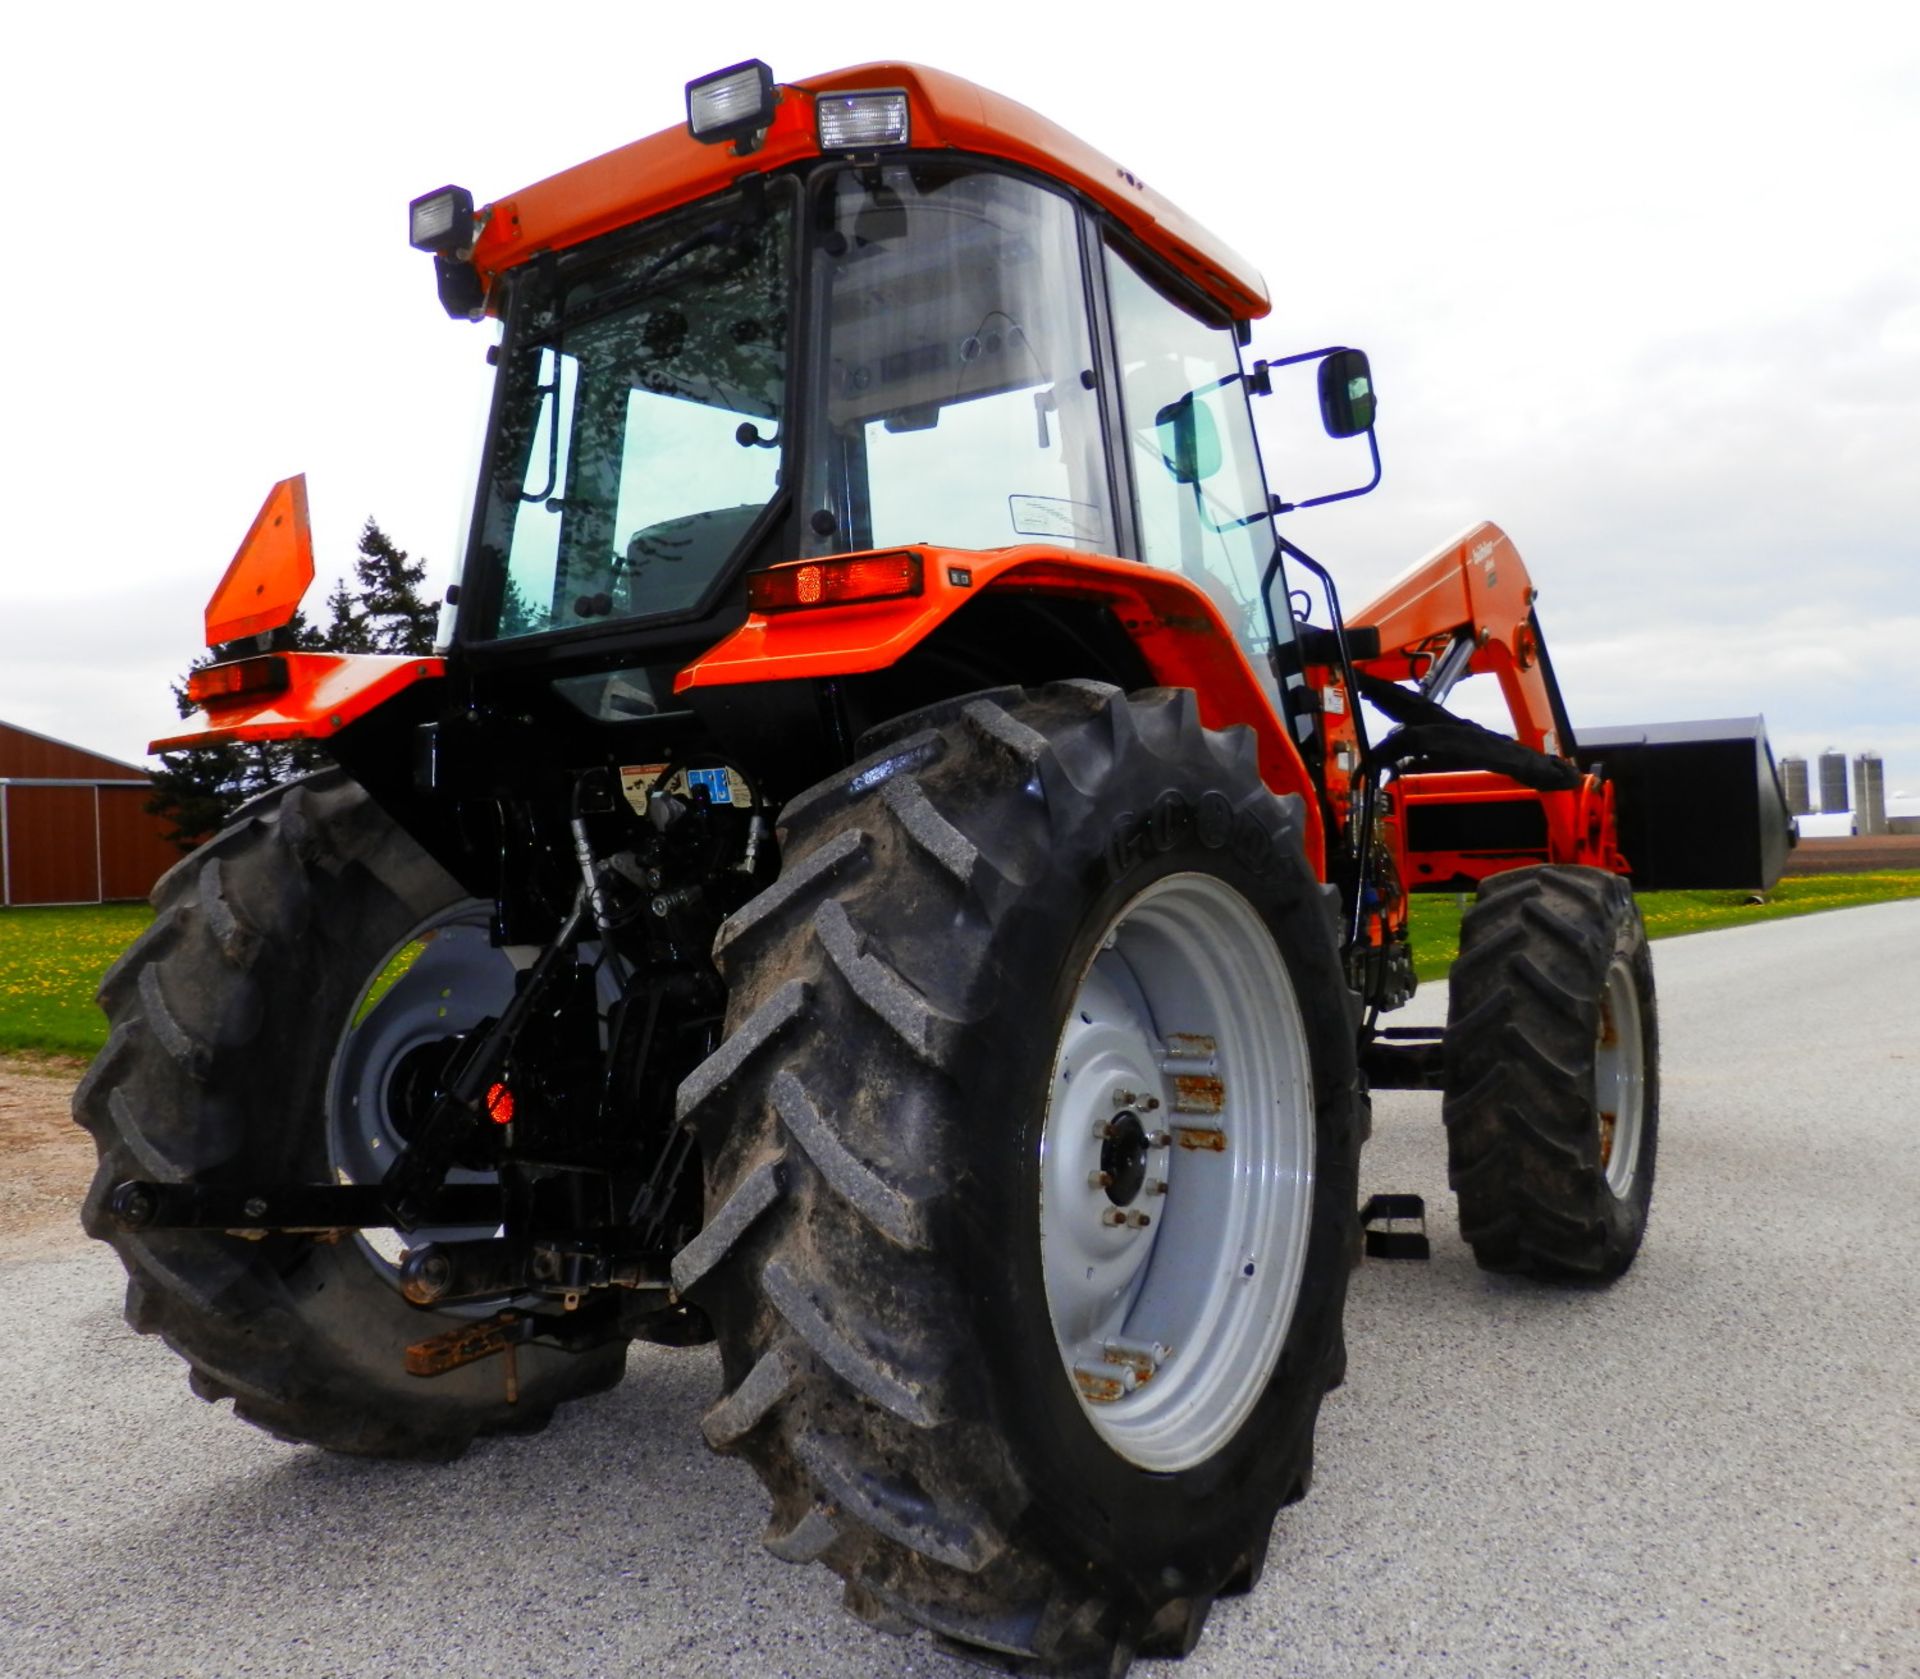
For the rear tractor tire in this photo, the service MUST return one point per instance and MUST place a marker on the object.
(1031, 1166)
(1552, 1074)
(252, 1043)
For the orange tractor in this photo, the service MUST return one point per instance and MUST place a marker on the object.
(885, 875)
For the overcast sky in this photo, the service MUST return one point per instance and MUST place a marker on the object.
(1641, 285)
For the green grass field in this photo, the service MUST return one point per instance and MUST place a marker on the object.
(52, 959)
(50, 962)
(1436, 919)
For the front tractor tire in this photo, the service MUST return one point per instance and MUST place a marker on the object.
(1031, 1169)
(251, 1044)
(1553, 1074)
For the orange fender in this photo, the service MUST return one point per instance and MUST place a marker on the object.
(1182, 638)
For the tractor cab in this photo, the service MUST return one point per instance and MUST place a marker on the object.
(879, 311)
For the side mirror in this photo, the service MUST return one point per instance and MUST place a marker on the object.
(1346, 394)
(1189, 440)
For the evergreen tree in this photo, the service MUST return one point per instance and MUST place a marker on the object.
(347, 629)
(197, 791)
(398, 619)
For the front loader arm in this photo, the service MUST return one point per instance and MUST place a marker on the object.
(1463, 802)
(1468, 609)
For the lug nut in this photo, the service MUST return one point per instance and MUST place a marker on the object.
(1101, 1130)
(1159, 1139)
(1139, 1221)
(1155, 1186)
(1099, 1180)
(1112, 1216)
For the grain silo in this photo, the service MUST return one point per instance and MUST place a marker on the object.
(1869, 795)
(1833, 781)
(1793, 778)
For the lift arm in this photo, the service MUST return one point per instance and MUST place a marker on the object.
(1467, 609)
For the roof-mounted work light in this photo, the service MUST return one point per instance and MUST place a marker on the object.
(858, 122)
(441, 221)
(731, 104)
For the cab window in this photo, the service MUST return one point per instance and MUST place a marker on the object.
(1188, 440)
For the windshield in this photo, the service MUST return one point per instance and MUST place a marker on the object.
(958, 388)
(641, 418)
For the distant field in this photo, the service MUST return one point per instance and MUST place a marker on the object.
(51, 960)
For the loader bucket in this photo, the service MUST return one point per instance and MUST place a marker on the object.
(1699, 804)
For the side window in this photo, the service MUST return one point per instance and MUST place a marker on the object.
(1188, 439)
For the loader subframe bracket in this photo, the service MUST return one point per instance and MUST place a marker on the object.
(1405, 1058)
(1382, 1243)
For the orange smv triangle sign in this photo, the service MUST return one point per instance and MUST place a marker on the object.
(271, 571)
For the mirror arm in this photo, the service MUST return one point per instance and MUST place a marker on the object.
(1260, 367)
(1373, 443)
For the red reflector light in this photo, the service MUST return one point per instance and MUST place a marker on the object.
(236, 680)
(500, 1104)
(834, 582)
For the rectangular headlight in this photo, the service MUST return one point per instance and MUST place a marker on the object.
(731, 103)
(853, 122)
(441, 221)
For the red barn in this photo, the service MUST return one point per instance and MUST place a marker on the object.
(74, 827)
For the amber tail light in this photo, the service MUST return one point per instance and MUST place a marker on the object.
(834, 583)
(863, 577)
(238, 680)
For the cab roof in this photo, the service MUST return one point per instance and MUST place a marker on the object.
(946, 113)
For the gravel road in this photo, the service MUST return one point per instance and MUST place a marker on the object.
(1710, 1469)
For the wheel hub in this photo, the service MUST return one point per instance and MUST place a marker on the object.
(1123, 1159)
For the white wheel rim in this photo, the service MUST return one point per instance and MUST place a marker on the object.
(456, 979)
(1185, 1029)
(1620, 1077)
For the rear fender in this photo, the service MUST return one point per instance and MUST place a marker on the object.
(1181, 637)
(324, 693)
